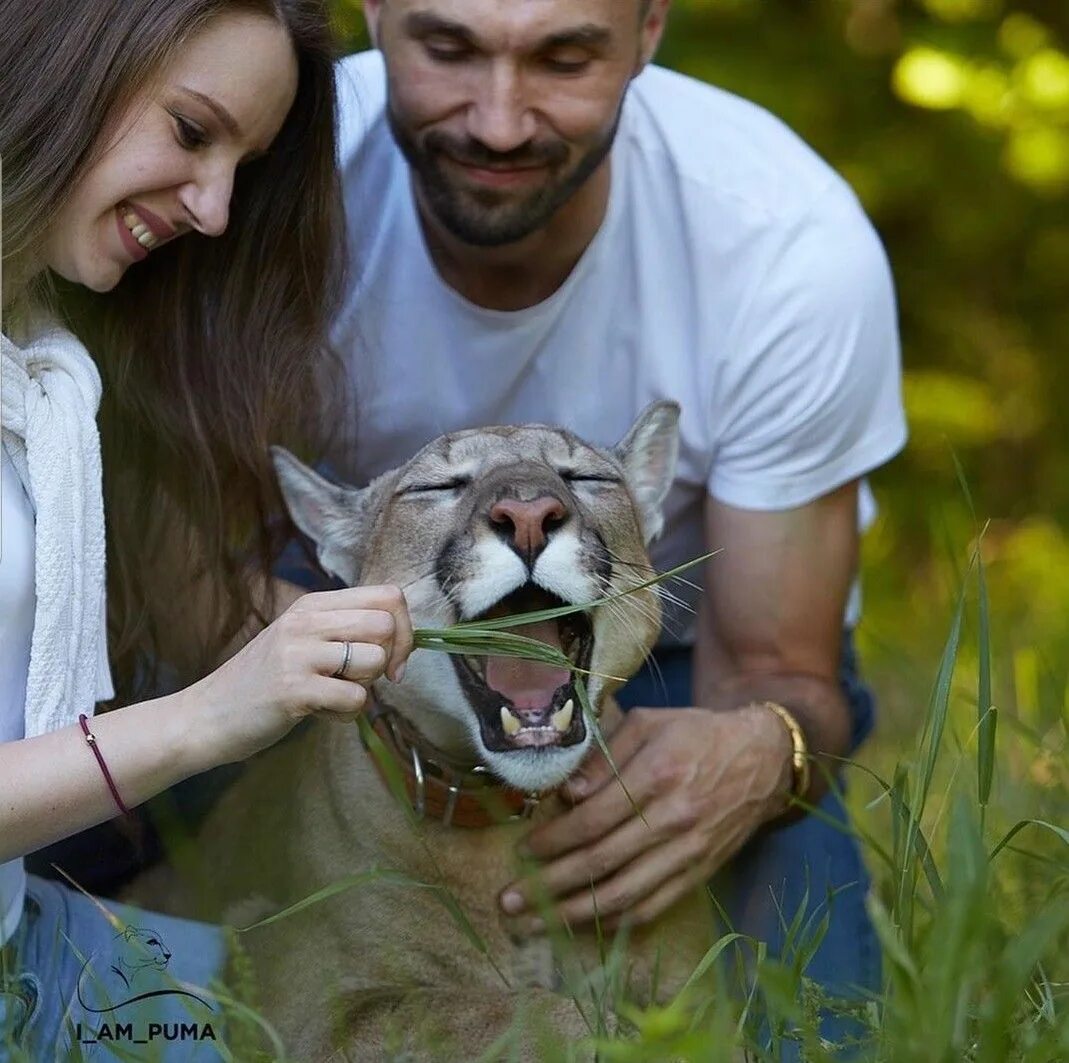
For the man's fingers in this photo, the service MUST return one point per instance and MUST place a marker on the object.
(592, 820)
(596, 771)
(660, 900)
(580, 867)
(655, 870)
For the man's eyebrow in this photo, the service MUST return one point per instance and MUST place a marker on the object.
(590, 35)
(427, 23)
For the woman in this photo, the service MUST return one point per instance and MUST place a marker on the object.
(169, 193)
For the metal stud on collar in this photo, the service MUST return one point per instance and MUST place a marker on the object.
(421, 785)
(451, 804)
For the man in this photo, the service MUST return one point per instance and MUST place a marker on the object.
(543, 227)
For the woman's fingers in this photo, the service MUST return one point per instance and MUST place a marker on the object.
(338, 699)
(362, 662)
(388, 598)
(361, 614)
(355, 625)
(402, 637)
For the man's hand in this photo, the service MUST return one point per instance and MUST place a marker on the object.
(704, 782)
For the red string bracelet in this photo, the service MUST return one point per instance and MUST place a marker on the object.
(91, 741)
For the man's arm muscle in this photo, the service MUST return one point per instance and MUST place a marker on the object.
(770, 622)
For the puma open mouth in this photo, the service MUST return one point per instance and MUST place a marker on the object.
(524, 704)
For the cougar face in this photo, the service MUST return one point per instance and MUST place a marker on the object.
(491, 522)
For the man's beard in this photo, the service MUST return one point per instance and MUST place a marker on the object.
(489, 217)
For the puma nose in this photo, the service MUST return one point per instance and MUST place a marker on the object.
(530, 522)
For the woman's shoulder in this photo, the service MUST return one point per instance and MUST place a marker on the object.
(47, 345)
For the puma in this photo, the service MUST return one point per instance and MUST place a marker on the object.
(415, 960)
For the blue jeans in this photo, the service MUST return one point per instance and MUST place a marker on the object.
(136, 989)
(807, 868)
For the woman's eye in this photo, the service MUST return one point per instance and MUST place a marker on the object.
(189, 135)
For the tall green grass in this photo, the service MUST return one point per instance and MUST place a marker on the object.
(970, 973)
(962, 816)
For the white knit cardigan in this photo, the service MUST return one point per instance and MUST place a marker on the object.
(49, 396)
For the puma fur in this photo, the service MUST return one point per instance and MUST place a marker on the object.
(478, 524)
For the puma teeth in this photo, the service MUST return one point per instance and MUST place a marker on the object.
(562, 718)
(511, 723)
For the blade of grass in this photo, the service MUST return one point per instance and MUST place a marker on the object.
(374, 874)
(476, 642)
(389, 766)
(938, 707)
(1061, 832)
(711, 956)
(921, 850)
(931, 740)
(963, 483)
(987, 713)
(388, 877)
(592, 722)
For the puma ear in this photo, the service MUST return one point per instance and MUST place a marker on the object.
(648, 454)
(332, 516)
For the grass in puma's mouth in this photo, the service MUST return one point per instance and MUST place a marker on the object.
(491, 637)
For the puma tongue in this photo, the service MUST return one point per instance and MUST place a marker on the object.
(528, 684)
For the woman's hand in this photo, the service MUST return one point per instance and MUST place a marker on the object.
(285, 673)
(289, 670)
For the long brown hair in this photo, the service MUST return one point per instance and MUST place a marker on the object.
(211, 349)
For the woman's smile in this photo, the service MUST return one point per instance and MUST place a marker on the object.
(140, 230)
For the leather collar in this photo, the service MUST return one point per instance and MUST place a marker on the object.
(438, 786)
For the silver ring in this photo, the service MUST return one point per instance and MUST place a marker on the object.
(340, 673)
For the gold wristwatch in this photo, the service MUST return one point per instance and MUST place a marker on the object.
(800, 756)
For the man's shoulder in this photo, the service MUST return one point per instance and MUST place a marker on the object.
(362, 70)
(721, 148)
(360, 81)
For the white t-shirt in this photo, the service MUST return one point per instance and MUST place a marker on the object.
(734, 272)
(17, 602)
